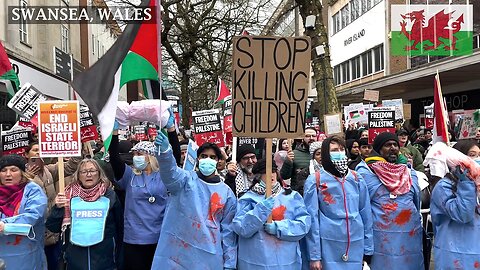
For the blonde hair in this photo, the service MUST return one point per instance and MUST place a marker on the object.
(101, 174)
(153, 164)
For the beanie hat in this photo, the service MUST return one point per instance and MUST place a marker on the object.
(381, 139)
(401, 132)
(363, 141)
(261, 166)
(243, 150)
(13, 160)
(314, 146)
(145, 147)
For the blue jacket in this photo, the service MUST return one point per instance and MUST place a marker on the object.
(397, 228)
(329, 238)
(19, 252)
(456, 221)
(143, 219)
(197, 229)
(258, 250)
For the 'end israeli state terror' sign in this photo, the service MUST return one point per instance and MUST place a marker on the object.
(271, 79)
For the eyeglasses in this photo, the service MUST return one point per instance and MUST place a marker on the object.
(252, 157)
(310, 135)
(84, 172)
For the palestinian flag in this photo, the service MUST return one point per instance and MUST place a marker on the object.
(132, 57)
(8, 74)
(222, 91)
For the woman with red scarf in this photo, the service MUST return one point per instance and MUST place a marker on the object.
(90, 218)
(22, 210)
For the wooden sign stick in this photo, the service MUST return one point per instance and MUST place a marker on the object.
(89, 148)
(61, 176)
(268, 172)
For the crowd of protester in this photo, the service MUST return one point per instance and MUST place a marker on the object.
(340, 202)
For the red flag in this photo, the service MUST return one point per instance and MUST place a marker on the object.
(222, 91)
(440, 130)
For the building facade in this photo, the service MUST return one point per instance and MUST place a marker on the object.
(360, 41)
(31, 49)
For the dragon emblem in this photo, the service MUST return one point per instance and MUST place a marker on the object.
(440, 26)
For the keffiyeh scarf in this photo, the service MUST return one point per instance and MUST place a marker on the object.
(241, 181)
(89, 195)
(261, 189)
(341, 165)
(395, 177)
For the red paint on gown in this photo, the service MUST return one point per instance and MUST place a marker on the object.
(403, 218)
(215, 206)
(278, 213)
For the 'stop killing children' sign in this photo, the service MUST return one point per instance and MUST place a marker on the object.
(271, 79)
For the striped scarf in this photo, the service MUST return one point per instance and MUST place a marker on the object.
(89, 195)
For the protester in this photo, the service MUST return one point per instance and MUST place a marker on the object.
(363, 133)
(477, 135)
(455, 215)
(395, 201)
(145, 202)
(90, 218)
(338, 201)
(196, 233)
(183, 152)
(410, 150)
(46, 176)
(290, 223)
(353, 149)
(364, 149)
(283, 144)
(22, 217)
(221, 165)
(298, 159)
(240, 176)
(316, 154)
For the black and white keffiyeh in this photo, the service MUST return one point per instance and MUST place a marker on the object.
(341, 165)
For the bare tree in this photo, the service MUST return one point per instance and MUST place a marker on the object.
(197, 36)
(322, 69)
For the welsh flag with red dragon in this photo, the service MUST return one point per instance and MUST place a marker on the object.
(437, 30)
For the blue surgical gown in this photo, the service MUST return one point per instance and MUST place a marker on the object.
(20, 252)
(456, 221)
(328, 238)
(397, 227)
(197, 227)
(258, 250)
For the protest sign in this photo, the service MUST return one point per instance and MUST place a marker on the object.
(25, 102)
(88, 130)
(191, 156)
(227, 114)
(208, 127)
(124, 133)
(355, 113)
(174, 101)
(24, 122)
(371, 95)
(257, 143)
(429, 117)
(59, 128)
(380, 121)
(398, 104)
(15, 141)
(271, 81)
(466, 127)
(333, 124)
(140, 132)
(152, 130)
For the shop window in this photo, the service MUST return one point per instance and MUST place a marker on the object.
(356, 67)
(355, 8)
(345, 71)
(336, 75)
(378, 56)
(367, 63)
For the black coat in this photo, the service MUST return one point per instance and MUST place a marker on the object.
(104, 255)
